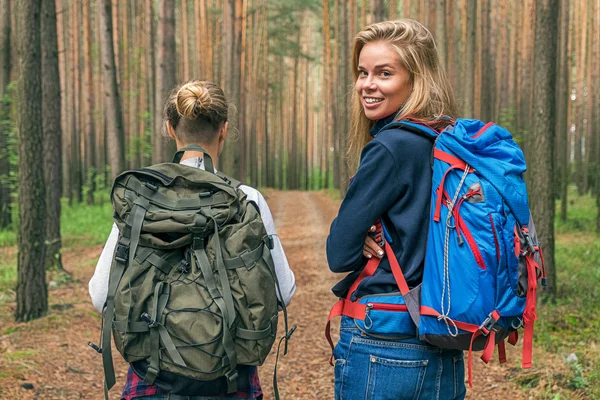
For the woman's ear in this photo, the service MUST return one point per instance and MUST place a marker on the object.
(223, 132)
(170, 131)
(221, 138)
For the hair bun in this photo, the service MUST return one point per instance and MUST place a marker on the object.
(193, 100)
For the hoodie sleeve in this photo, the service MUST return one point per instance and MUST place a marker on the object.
(371, 192)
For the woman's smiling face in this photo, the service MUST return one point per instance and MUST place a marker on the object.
(383, 84)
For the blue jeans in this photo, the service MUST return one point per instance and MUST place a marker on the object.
(375, 369)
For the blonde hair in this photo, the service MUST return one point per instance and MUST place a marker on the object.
(196, 110)
(431, 95)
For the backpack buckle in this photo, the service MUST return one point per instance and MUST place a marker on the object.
(146, 317)
(488, 325)
(122, 253)
(231, 375)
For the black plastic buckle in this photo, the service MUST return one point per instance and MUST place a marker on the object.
(122, 253)
(93, 346)
(146, 317)
(487, 325)
(270, 242)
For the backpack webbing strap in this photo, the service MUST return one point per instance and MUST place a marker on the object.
(139, 212)
(218, 198)
(227, 296)
(246, 259)
(109, 371)
(209, 278)
(288, 333)
(159, 333)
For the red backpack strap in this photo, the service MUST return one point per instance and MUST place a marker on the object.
(355, 309)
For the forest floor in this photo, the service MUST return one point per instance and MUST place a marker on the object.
(49, 358)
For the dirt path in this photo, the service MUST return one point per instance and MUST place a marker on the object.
(51, 356)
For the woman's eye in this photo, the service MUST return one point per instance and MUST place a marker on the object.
(385, 73)
(362, 73)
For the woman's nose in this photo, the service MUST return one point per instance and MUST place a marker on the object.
(369, 83)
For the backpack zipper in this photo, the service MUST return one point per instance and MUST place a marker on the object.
(461, 227)
(385, 307)
(495, 237)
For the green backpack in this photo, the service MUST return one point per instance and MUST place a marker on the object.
(192, 287)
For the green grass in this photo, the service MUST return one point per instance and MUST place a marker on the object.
(81, 224)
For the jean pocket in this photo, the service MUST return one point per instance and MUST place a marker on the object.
(395, 379)
(458, 363)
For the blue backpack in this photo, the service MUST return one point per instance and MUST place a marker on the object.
(482, 262)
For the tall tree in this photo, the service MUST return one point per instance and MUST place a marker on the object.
(5, 67)
(378, 11)
(114, 117)
(89, 106)
(541, 140)
(345, 83)
(469, 59)
(440, 30)
(32, 292)
(562, 104)
(166, 77)
(51, 133)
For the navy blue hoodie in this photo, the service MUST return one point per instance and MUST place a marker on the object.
(393, 182)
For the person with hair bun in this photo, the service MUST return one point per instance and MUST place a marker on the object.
(398, 76)
(196, 112)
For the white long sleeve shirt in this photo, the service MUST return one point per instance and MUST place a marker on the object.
(98, 285)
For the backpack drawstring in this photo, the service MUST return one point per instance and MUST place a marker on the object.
(444, 314)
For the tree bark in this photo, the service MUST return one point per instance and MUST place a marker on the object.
(32, 292)
(441, 33)
(562, 104)
(345, 83)
(114, 118)
(541, 140)
(51, 133)
(378, 11)
(469, 61)
(5, 69)
(88, 92)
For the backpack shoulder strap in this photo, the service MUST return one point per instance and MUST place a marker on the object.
(234, 183)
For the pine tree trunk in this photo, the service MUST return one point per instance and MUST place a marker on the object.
(88, 91)
(469, 61)
(378, 11)
(580, 109)
(345, 83)
(75, 167)
(32, 292)
(562, 104)
(329, 90)
(165, 76)
(114, 119)
(51, 133)
(441, 33)
(5, 67)
(185, 52)
(541, 140)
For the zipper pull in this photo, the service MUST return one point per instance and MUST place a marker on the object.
(368, 320)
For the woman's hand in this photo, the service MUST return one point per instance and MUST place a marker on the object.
(371, 248)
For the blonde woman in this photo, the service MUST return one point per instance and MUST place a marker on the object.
(195, 113)
(397, 77)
